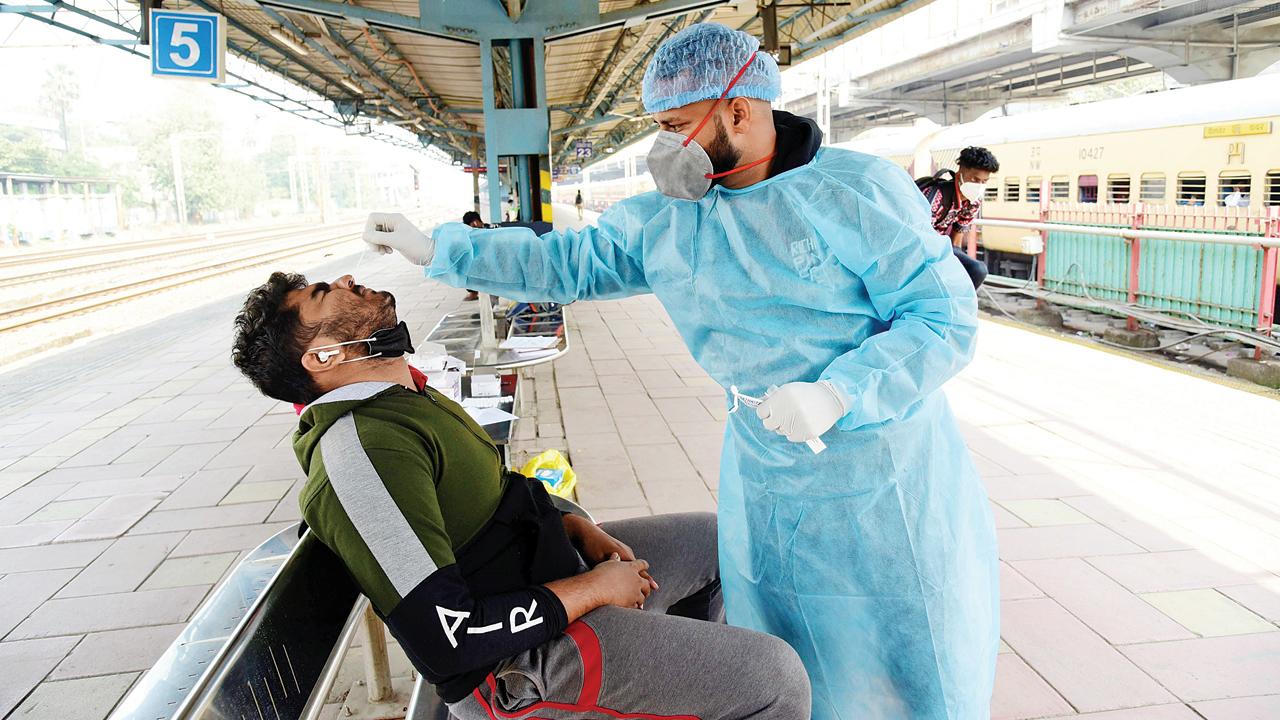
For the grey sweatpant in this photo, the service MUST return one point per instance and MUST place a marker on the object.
(653, 663)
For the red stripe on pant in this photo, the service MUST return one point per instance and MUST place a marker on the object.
(588, 698)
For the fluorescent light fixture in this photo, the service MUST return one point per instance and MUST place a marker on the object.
(289, 41)
(351, 86)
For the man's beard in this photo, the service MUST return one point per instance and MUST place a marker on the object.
(724, 156)
(359, 322)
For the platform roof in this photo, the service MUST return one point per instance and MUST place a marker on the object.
(416, 63)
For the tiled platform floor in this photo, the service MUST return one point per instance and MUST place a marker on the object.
(1138, 507)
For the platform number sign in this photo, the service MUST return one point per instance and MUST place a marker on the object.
(187, 44)
(582, 149)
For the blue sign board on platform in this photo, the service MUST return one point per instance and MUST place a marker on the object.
(187, 44)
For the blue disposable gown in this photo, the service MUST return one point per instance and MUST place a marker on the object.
(876, 560)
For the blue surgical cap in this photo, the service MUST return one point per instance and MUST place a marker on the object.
(698, 62)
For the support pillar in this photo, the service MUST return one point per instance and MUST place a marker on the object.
(520, 133)
(1135, 264)
(179, 191)
(1267, 295)
(491, 136)
(475, 175)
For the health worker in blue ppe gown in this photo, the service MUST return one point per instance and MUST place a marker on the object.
(814, 270)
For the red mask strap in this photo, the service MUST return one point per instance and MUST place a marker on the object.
(740, 168)
(716, 104)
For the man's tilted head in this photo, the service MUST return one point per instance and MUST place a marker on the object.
(285, 319)
(978, 158)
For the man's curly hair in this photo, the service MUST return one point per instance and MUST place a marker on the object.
(978, 158)
(271, 338)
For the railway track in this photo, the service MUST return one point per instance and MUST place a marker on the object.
(41, 312)
(85, 268)
(48, 256)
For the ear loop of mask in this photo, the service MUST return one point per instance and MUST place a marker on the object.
(324, 355)
(713, 176)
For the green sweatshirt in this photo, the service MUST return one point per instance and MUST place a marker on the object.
(411, 494)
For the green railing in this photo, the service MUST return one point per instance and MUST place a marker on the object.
(1155, 261)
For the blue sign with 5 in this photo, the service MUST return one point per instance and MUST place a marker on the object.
(187, 44)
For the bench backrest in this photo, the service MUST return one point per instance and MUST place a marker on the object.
(265, 645)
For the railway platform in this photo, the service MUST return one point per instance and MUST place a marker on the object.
(1137, 505)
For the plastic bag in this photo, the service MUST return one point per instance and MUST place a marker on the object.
(553, 469)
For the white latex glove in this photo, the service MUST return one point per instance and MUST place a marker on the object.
(393, 231)
(802, 411)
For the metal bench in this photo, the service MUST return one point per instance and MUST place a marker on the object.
(269, 641)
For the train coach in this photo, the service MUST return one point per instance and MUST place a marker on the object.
(1204, 157)
(1196, 159)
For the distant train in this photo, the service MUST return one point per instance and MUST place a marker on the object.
(1212, 149)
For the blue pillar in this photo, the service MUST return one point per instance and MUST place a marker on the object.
(490, 144)
(522, 132)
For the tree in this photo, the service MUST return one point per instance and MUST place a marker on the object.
(23, 151)
(216, 180)
(61, 91)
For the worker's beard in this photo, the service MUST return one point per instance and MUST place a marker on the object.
(724, 156)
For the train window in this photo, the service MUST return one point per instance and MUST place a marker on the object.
(1118, 189)
(1011, 189)
(1033, 190)
(1060, 188)
(1088, 189)
(1234, 188)
(1152, 188)
(1191, 188)
(992, 192)
(1273, 188)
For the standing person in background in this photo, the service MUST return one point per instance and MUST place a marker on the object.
(954, 198)
(811, 276)
(473, 219)
(577, 202)
(955, 195)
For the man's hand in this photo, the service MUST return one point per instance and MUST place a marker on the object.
(802, 411)
(596, 544)
(613, 582)
(623, 583)
(393, 231)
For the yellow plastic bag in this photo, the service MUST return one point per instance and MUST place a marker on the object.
(552, 468)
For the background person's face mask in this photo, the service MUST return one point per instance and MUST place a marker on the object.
(680, 166)
(971, 189)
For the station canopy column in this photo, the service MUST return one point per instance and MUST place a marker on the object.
(520, 133)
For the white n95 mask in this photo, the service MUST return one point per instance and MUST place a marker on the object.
(973, 191)
(681, 169)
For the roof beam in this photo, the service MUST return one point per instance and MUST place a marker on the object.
(393, 87)
(256, 37)
(602, 120)
(381, 18)
(649, 12)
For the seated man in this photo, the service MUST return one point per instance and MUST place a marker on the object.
(502, 602)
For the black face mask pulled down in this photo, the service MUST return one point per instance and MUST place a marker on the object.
(385, 343)
(391, 342)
